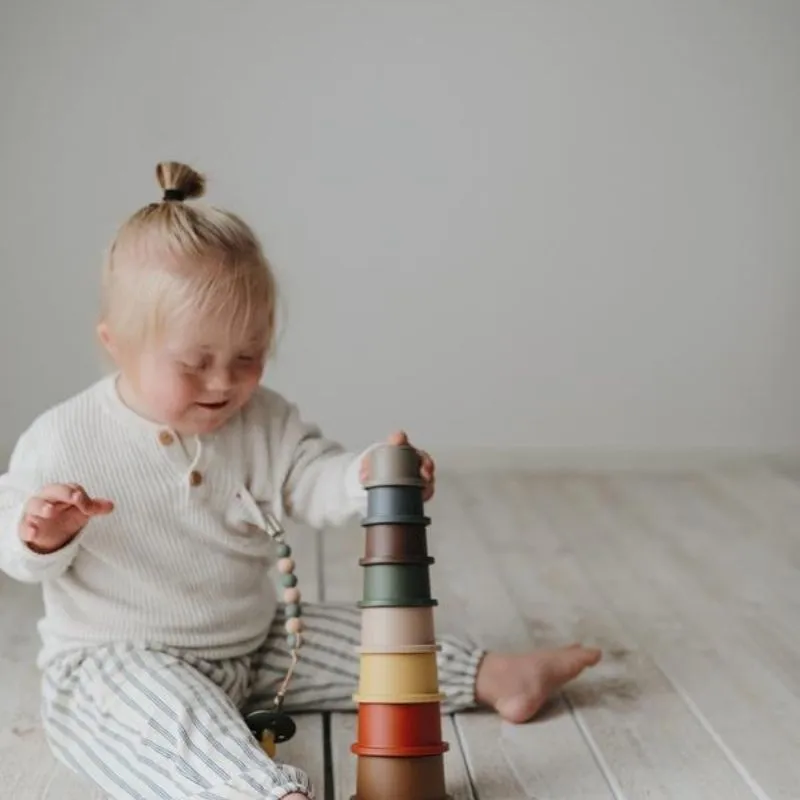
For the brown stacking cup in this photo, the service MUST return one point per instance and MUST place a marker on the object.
(396, 544)
(420, 778)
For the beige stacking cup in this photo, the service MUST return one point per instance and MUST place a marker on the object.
(399, 678)
(397, 629)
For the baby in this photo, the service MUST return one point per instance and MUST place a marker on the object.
(144, 504)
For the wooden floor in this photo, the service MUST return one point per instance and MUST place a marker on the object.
(690, 584)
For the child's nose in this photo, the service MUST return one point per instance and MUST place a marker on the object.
(219, 380)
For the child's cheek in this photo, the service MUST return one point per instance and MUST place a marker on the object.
(247, 380)
(174, 395)
(184, 394)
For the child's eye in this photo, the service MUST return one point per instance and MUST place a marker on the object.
(195, 366)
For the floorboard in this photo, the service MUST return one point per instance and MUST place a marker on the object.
(634, 725)
(657, 574)
(484, 577)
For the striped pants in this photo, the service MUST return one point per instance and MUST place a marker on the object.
(158, 723)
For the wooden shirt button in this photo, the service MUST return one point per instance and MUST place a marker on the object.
(195, 478)
(166, 438)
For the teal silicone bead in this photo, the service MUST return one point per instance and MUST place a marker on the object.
(293, 610)
(284, 551)
(289, 580)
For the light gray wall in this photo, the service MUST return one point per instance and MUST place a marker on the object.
(538, 224)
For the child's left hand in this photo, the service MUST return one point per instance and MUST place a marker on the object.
(427, 467)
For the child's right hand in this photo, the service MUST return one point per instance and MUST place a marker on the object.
(56, 515)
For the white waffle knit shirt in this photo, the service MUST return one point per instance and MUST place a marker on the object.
(180, 561)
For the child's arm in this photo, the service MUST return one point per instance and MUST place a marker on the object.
(319, 478)
(321, 483)
(39, 523)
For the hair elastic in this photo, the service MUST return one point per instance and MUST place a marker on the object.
(174, 194)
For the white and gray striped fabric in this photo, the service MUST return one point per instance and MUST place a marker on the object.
(156, 723)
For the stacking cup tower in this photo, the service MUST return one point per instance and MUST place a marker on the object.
(399, 745)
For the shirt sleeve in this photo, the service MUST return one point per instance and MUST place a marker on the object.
(319, 479)
(25, 476)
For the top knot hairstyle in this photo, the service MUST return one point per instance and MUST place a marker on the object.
(172, 259)
(179, 182)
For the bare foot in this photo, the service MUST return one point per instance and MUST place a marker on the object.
(517, 686)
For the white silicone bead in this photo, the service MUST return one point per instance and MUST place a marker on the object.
(286, 565)
(294, 625)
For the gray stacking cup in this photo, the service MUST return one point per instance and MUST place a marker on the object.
(394, 465)
(394, 504)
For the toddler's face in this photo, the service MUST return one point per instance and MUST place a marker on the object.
(194, 381)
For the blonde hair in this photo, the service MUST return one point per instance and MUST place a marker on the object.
(171, 259)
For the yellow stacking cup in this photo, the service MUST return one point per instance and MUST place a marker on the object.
(399, 678)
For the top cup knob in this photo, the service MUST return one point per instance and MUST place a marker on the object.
(394, 465)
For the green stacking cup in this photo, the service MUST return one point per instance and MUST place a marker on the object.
(396, 585)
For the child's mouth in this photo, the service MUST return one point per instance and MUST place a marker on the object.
(213, 406)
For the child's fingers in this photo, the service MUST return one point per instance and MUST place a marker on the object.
(89, 506)
(398, 438)
(30, 527)
(101, 506)
(57, 493)
(427, 467)
(44, 509)
(56, 498)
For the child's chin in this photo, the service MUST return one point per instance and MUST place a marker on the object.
(209, 424)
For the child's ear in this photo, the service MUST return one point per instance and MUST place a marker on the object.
(107, 339)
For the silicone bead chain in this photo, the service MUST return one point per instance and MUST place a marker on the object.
(291, 597)
(271, 727)
(291, 593)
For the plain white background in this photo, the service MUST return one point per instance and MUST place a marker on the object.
(536, 225)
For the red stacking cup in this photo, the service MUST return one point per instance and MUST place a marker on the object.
(399, 730)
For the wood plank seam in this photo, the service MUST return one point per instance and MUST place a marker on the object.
(462, 746)
(718, 740)
(594, 748)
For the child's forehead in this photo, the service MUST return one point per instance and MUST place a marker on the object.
(211, 336)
